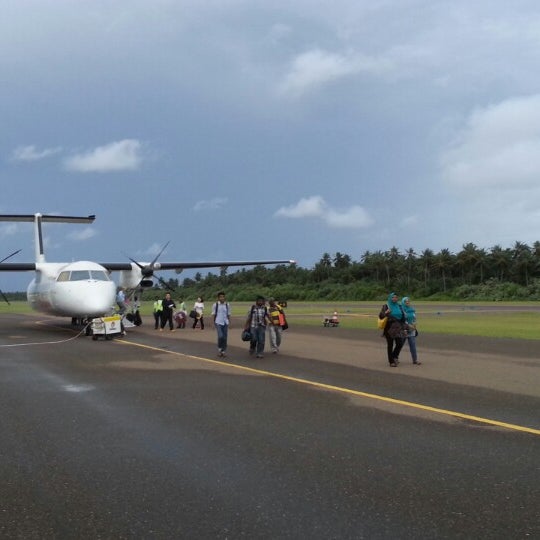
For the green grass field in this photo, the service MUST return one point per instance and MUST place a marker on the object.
(519, 320)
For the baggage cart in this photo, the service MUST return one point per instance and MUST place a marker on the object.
(107, 327)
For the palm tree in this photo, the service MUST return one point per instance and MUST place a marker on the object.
(426, 260)
(393, 260)
(523, 260)
(326, 261)
(501, 259)
(481, 261)
(379, 263)
(410, 260)
(342, 260)
(468, 258)
(443, 261)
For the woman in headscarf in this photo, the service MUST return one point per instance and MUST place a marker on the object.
(394, 331)
(410, 323)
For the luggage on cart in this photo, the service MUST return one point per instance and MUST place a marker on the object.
(107, 327)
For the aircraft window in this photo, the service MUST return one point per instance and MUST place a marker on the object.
(80, 275)
(99, 275)
(63, 276)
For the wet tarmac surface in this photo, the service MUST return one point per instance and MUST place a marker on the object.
(154, 436)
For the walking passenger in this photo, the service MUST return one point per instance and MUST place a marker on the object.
(167, 312)
(198, 307)
(275, 329)
(410, 324)
(394, 331)
(221, 314)
(256, 321)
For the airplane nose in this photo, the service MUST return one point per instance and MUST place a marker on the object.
(88, 299)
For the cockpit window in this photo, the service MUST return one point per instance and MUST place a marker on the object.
(99, 275)
(79, 275)
(83, 275)
(63, 276)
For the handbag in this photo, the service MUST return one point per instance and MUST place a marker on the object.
(246, 335)
(412, 330)
(283, 321)
(381, 323)
(193, 314)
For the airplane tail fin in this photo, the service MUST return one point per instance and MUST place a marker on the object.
(38, 219)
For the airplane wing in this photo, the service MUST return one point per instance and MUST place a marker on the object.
(47, 218)
(112, 267)
(17, 267)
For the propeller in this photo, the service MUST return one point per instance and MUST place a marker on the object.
(148, 270)
(5, 259)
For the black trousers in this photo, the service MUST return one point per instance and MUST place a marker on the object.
(166, 317)
(201, 320)
(393, 347)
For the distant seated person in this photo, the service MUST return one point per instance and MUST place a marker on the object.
(331, 321)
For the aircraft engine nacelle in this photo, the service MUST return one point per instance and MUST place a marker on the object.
(146, 283)
(130, 279)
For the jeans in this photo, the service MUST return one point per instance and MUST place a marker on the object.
(412, 347)
(258, 334)
(275, 331)
(222, 333)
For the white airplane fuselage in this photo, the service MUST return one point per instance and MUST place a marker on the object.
(81, 289)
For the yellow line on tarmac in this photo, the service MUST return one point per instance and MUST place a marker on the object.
(342, 390)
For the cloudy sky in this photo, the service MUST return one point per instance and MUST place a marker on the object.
(269, 129)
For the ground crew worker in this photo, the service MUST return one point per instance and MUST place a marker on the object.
(158, 308)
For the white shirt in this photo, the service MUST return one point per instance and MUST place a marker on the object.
(221, 312)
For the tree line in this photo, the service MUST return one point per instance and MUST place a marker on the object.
(473, 273)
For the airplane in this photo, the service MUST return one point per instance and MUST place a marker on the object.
(84, 290)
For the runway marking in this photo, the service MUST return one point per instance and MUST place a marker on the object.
(342, 390)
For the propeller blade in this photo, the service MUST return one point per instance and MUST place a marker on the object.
(9, 256)
(133, 261)
(165, 284)
(159, 254)
(148, 270)
(5, 259)
(5, 297)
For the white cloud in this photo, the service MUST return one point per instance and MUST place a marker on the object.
(117, 156)
(317, 67)
(8, 229)
(149, 253)
(354, 217)
(310, 207)
(31, 153)
(83, 234)
(153, 249)
(409, 221)
(211, 204)
(499, 147)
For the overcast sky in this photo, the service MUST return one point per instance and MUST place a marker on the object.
(269, 129)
